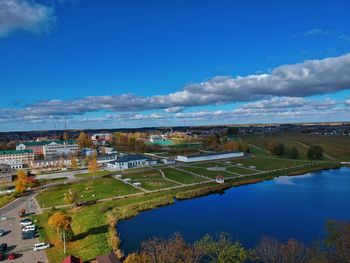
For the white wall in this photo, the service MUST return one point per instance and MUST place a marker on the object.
(189, 159)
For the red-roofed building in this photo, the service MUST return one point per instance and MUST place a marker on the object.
(72, 259)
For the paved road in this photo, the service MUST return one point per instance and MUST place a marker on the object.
(22, 248)
(70, 175)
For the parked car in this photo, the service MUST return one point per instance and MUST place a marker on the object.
(2, 232)
(28, 228)
(26, 222)
(11, 256)
(1, 256)
(41, 246)
(3, 247)
(28, 235)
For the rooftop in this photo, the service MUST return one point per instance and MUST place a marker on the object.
(131, 157)
(16, 151)
(42, 143)
(210, 154)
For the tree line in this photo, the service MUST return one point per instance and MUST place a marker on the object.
(335, 248)
(315, 152)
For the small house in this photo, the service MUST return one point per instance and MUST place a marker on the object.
(220, 179)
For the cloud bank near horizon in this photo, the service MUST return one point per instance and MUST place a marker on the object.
(283, 92)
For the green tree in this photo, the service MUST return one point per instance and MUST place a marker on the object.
(272, 147)
(293, 153)
(279, 149)
(223, 250)
(315, 152)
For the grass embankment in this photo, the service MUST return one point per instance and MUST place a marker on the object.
(90, 230)
(97, 174)
(93, 189)
(53, 180)
(6, 199)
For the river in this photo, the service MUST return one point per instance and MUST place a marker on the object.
(284, 207)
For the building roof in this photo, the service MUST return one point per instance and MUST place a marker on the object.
(132, 157)
(72, 259)
(109, 258)
(16, 151)
(219, 177)
(42, 143)
(210, 154)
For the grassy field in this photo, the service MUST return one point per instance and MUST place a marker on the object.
(205, 172)
(337, 147)
(144, 174)
(89, 226)
(5, 199)
(239, 170)
(98, 188)
(181, 177)
(269, 163)
(155, 184)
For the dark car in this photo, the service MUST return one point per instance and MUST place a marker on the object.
(3, 247)
(28, 235)
(1, 256)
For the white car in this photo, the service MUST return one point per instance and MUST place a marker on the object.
(26, 222)
(28, 228)
(41, 246)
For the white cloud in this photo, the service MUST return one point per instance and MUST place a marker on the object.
(24, 15)
(313, 77)
(280, 94)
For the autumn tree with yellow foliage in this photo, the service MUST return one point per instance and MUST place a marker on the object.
(22, 181)
(93, 166)
(62, 224)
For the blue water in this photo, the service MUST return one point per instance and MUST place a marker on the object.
(284, 207)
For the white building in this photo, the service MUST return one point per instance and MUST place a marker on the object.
(18, 157)
(63, 148)
(209, 156)
(5, 173)
(155, 138)
(131, 161)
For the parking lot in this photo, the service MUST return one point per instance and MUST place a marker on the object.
(10, 221)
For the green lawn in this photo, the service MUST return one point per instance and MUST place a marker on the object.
(98, 188)
(239, 170)
(97, 174)
(90, 239)
(269, 163)
(144, 174)
(181, 177)
(155, 184)
(205, 172)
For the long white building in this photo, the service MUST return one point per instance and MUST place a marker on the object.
(131, 161)
(209, 156)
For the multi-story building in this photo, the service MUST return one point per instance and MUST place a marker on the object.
(5, 173)
(61, 148)
(16, 156)
(50, 148)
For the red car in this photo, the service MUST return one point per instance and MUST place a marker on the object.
(1, 256)
(11, 256)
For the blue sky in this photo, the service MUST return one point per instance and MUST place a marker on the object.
(104, 63)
